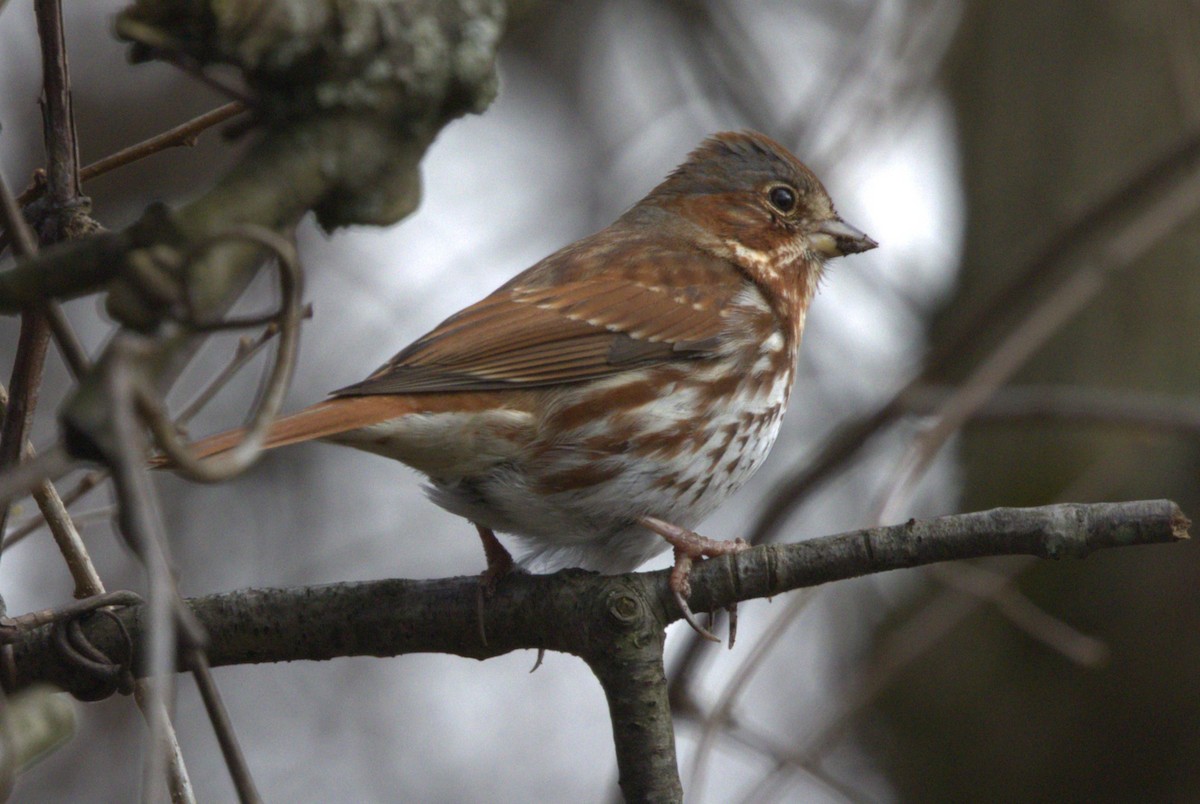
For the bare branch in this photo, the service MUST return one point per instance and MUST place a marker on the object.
(184, 135)
(625, 615)
(85, 484)
(387, 618)
(58, 121)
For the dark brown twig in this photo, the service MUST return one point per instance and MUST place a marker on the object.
(1023, 613)
(69, 498)
(721, 714)
(14, 221)
(246, 349)
(31, 352)
(63, 185)
(183, 135)
(24, 385)
(69, 346)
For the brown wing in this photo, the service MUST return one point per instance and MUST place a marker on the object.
(523, 336)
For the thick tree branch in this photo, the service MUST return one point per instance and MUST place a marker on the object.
(557, 612)
(615, 623)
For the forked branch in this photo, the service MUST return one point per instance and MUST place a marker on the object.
(615, 623)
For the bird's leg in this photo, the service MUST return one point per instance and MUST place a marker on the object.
(499, 560)
(499, 563)
(689, 546)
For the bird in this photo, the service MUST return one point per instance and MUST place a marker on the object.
(601, 403)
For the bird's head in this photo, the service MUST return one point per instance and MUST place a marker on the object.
(746, 197)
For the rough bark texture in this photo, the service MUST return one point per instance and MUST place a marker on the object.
(582, 613)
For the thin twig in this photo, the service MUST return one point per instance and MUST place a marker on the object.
(31, 351)
(33, 523)
(183, 135)
(245, 351)
(762, 744)
(62, 187)
(51, 464)
(243, 782)
(58, 122)
(23, 395)
(913, 639)
(935, 619)
(155, 711)
(235, 460)
(37, 521)
(757, 741)
(243, 354)
(69, 346)
(66, 536)
(14, 222)
(140, 525)
(196, 69)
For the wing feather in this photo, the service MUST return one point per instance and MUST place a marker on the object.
(529, 335)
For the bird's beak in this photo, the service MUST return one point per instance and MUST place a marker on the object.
(836, 238)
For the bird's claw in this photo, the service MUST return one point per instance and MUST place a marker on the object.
(688, 616)
(689, 546)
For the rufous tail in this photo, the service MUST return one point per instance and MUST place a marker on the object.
(318, 421)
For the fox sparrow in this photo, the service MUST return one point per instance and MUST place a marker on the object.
(620, 389)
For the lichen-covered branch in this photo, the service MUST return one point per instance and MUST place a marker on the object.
(347, 95)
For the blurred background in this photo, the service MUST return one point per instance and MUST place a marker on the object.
(967, 137)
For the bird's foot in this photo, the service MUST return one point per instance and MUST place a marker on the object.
(689, 546)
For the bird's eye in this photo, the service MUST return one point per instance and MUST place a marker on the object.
(783, 198)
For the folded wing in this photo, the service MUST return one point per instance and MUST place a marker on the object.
(525, 337)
